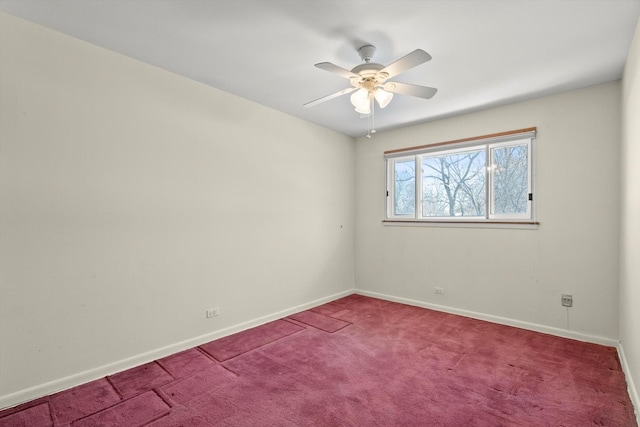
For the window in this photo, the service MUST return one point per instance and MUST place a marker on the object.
(481, 179)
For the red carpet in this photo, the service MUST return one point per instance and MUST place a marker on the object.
(357, 361)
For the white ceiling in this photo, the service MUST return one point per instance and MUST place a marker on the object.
(485, 52)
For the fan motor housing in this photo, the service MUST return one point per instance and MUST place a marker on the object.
(368, 67)
(369, 75)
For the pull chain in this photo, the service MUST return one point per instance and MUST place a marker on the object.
(371, 120)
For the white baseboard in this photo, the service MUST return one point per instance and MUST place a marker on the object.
(497, 319)
(631, 385)
(60, 384)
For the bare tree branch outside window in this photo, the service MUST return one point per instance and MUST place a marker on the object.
(454, 184)
(405, 184)
(510, 179)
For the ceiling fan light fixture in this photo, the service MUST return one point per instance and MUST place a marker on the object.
(383, 97)
(360, 100)
(364, 109)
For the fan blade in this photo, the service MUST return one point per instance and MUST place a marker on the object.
(328, 97)
(332, 68)
(408, 61)
(409, 89)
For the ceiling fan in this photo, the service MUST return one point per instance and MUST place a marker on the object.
(369, 80)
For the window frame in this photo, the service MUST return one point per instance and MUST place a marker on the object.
(487, 143)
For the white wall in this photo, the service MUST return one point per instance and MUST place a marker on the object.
(515, 276)
(133, 199)
(630, 226)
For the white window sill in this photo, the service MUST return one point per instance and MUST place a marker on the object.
(521, 225)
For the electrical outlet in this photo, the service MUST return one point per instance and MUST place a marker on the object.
(438, 290)
(567, 300)
(213, 312)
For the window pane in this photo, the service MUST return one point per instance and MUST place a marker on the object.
(510, 186)
(454, 184)
(405, 188)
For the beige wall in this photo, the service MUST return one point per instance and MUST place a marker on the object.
(630, 227)
(133, 199)
(506, 275)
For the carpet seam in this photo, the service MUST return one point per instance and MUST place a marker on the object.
(165, 369)
(295, 322)
(208, 356)
(113, 386)
(317, 328)
(259, 347)
(167, 411)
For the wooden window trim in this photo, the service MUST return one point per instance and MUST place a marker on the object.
(458, 141)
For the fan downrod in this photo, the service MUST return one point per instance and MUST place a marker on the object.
(366, 52)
